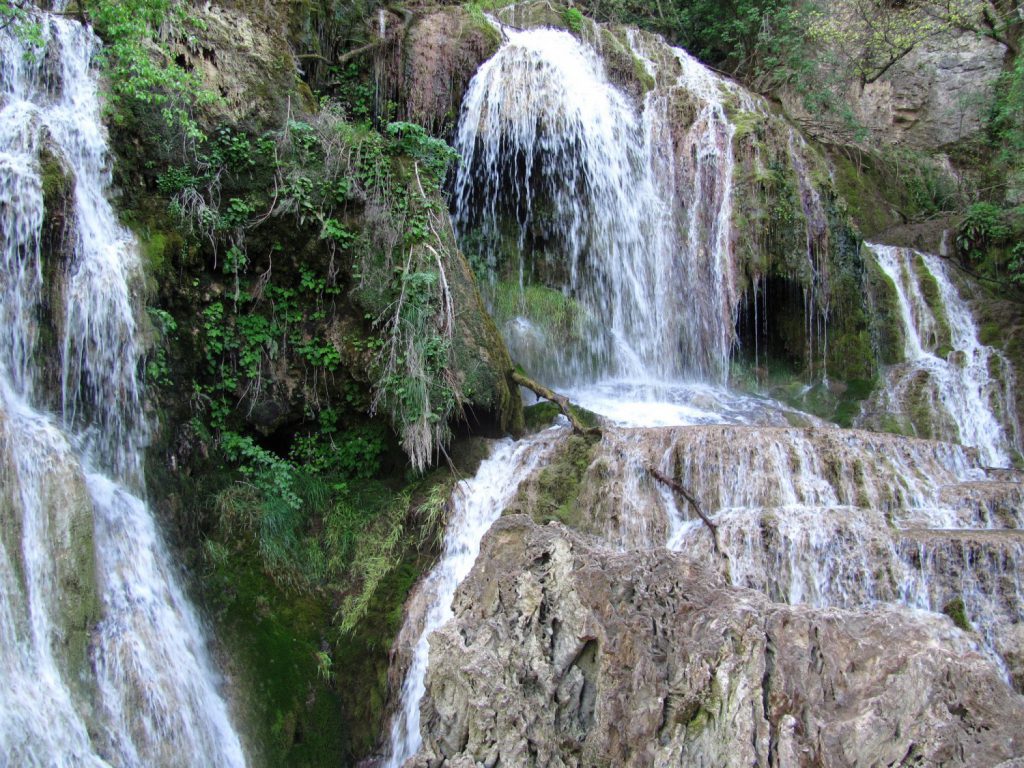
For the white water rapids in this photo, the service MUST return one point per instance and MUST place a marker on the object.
(147, 693)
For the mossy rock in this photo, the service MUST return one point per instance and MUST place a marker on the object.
(957, 611)
(66, 508)
(623, 67)
(860, 190)
(293, 716)
(57, 179)
(552, 494)
(886, 321)
(933, 298)
(543, 414)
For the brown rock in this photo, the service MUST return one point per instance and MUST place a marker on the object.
(565, 653)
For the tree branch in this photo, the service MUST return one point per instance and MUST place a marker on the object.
(563, 403)
(678, 488)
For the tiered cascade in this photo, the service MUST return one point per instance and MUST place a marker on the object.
(626, 208)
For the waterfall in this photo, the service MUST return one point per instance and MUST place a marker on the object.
(146, 692)
(476, 503)
(945, 361)
(620, 206)
(560, 180)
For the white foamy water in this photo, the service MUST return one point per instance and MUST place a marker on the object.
(146, 693)
(635, 213)
(958, 385)
(476, 504)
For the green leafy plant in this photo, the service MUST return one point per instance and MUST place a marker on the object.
(139, 68)
(982, 226)
(573, 19)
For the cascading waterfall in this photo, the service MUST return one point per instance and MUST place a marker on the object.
(476, 504)
(550, 145)
(693, 174)
(546, 141)
(945, 362)
(561, 185)
(825, 517)
(147, 695)
(557, 169)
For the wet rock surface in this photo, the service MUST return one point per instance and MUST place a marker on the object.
(821, 517)
(564, 652)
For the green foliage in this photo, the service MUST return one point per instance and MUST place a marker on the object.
(1006, 122)
(175, 180)
(573, 19)
(377, 551)
(158, 369)
(15, 15)
(354, 90)
(747, 36)
(304, 506)
(982, 226)
(139, 68)
(431, 156)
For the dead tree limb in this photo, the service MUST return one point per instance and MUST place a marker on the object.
(563, 403)
(678, 488)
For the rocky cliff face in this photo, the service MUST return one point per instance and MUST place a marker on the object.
(566, 653)
(823, 517)
(934, 97)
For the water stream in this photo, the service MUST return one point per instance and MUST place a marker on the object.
(145, 692)
(946, 365)
(476, 503)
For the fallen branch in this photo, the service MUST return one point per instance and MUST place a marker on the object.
(563, 403)
(678, 488)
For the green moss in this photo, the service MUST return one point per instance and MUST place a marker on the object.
(478, 22)
(57, 181)
(862, 195)
(893, 425)
(562, 318)
(552, 495)
(158, 248)
(990, 334)
(933, 298)
(540, 415)
(646, 80)
(886, 187)
(362, 660)
(957, 611)
(920, 409)
(886, 321)
(273, 638)
(624, 68)
(573, 19)
(746, 124)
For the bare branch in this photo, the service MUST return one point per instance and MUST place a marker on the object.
(678, 488)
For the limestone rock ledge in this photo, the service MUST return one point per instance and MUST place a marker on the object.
(566, 653)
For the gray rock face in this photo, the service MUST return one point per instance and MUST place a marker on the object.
(565, 653)
(935, 96)
(824, 517)
(428, 66)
